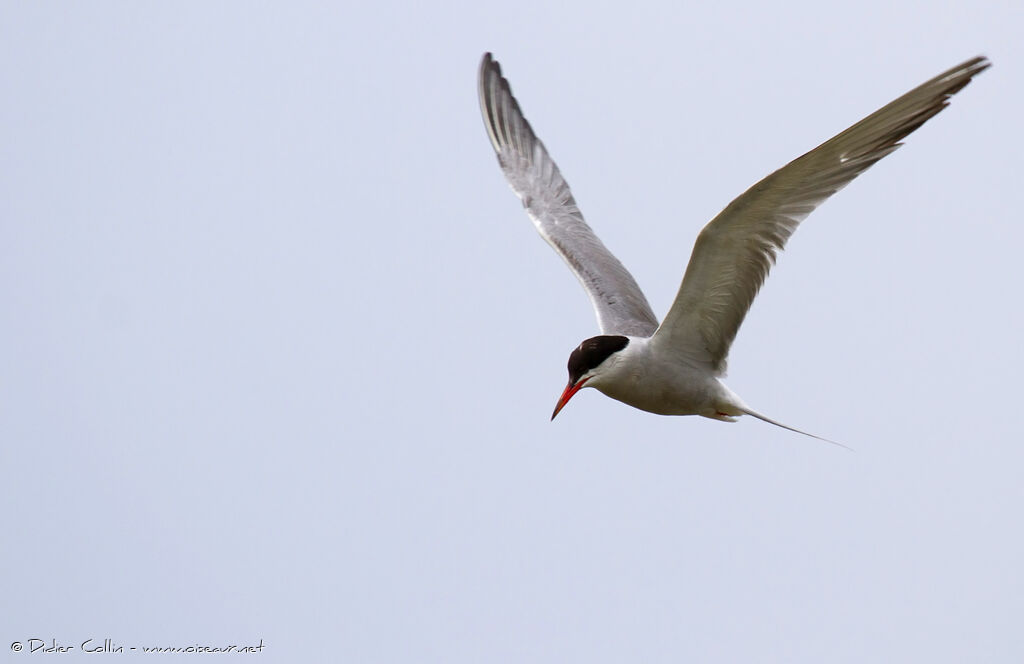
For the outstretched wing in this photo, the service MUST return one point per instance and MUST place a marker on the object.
(733, 254)
(619, 303)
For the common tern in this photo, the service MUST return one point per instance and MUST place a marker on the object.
(676, 368)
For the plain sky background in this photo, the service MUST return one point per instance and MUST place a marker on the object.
(279, 346)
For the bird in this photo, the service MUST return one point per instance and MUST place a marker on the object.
(676, 367)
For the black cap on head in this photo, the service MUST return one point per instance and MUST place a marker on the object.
(592, 352)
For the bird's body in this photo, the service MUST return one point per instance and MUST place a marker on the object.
(659, 381)
(676, 367)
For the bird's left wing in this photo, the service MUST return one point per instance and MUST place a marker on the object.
(734, 252)
(619, 303)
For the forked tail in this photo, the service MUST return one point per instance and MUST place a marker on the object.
(784, 426)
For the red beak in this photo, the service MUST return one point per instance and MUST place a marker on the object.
(570, 390)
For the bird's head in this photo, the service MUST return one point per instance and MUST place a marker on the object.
(588, 362)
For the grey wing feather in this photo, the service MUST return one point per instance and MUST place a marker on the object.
(734, 252)
(619, 303)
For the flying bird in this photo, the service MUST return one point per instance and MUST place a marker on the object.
(676, 367)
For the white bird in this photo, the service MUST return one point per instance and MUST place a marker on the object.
(675, 368)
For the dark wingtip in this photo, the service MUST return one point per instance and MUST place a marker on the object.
(488, 62)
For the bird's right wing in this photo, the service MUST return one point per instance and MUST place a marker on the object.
(734, 252)
(619, 303)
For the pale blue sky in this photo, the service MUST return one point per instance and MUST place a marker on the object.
(280, 346)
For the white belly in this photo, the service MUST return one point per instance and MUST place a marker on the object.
(684, 394)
